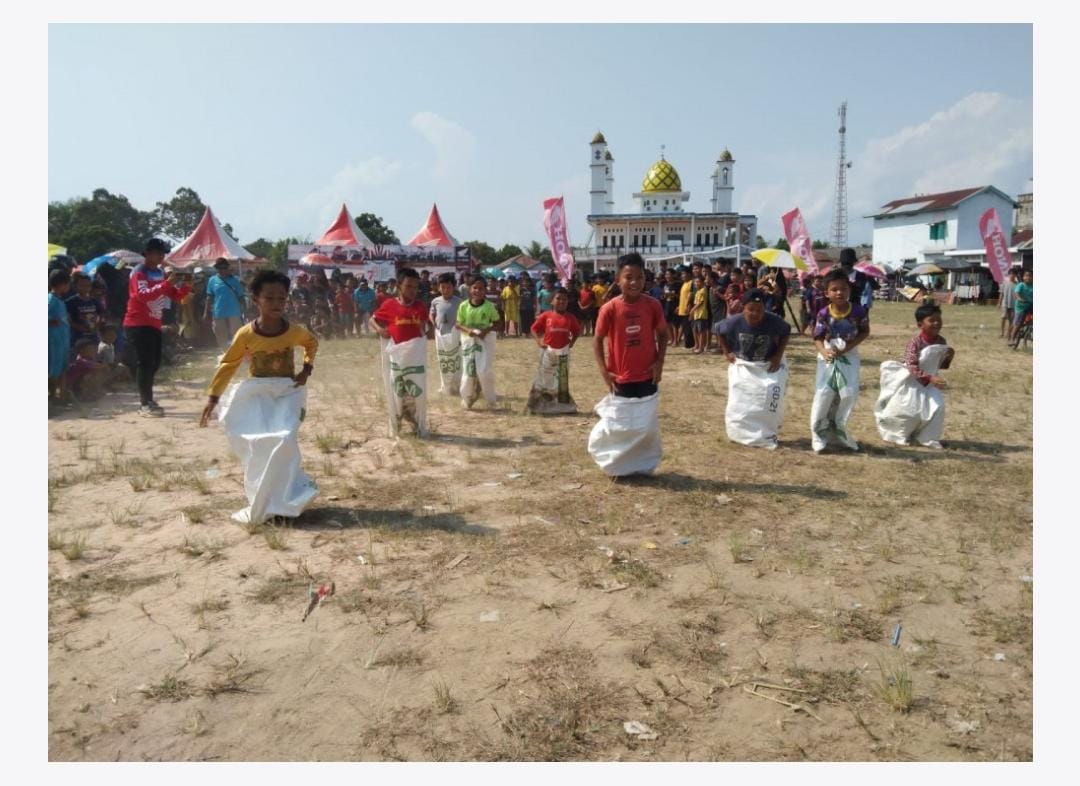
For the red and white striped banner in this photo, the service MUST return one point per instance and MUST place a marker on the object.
(798, 238)
(997, 248)
(555, 224)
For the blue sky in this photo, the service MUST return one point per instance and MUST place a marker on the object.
(276, 125)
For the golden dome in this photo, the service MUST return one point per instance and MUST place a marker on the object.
(598, 139)
(726, 155)
(661, 177)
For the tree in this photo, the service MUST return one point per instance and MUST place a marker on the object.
(782, 244)
(537, 251)
(820, 244)
(90, 227)
(483, 253)
(178, 217)
(507, 251)
(261, 248)
(279, 256)
(376, 230)
(761, 242)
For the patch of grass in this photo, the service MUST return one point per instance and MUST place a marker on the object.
(73, 548)
(115, 584)
(52, 500)
(56, 541)
(196, 514)
(276, 588)
(329, 467)
(568, 713)
(835, 686)
(554, 606)
(846, 624)
(84, 448)
(201, 547)
(896, 688)
(211, 605)
(126, 516)
(329, 442)
(140, 482)
(636, 573)
(419, 613)
(445, 703)
(1004, 627)
(230, 677)
(277, 538)
(405, 658)
(738, 547)
(171, 688)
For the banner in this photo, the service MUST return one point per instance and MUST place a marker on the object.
(798, 238)
(414, 256)
(555, 224)
(997, 248)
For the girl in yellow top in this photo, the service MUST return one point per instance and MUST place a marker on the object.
(511, 299)
(699, 315)
(268, 341)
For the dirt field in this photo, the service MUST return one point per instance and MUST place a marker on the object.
(175, 634)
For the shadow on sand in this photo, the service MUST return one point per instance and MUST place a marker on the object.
(332, 518)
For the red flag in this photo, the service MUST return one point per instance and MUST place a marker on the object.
(997, 250)
(555, 224)
(798, 238)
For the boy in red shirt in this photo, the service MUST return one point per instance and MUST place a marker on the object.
(555, 332)
(400, 321)
(633, 324)
(149, 291)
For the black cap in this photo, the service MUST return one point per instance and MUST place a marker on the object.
(221, 262)
(753, 295)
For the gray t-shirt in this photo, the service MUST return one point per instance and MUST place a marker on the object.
(753, 343)
(444, 313)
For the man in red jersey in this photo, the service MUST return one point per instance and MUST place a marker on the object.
(149, 291)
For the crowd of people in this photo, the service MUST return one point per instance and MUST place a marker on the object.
(635, 314)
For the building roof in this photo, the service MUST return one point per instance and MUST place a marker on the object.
(598, 139)
(925, 203)
(1022, 236)
(662, 176)
(522, 261)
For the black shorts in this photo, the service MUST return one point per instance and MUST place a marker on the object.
(636, 389)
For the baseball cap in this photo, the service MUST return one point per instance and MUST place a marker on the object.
(753, 295)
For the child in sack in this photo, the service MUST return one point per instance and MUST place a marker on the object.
(911, 405)
(477, 318)
(443, 315)
(262, 414)
(838, 330)
(555, 332)
(404, 325)
(629, 348)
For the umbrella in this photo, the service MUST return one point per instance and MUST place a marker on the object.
(114, 259)
(320, 260)
(55, 250)
(775, 257)
(871, 270)
(925, 269)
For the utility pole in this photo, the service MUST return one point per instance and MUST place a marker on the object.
(839, 223)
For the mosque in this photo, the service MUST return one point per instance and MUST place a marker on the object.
(661, 228)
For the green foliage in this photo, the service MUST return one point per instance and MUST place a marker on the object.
(178, 217)
(261, 248)
(820, 244)
(507, 251)
(93, 226)
(782, 244)
(485, 254)
(373, 226)
(761, 242)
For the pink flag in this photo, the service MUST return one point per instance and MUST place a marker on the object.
(798, 237)
(555, 224)
(997, 250)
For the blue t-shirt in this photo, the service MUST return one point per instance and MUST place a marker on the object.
(364, 299)
(1025, 297)
(228, 294)
(544, 299)
(754, 343)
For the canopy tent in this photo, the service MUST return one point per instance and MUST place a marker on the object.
(208, 242)
(433, 232)
(344, 232)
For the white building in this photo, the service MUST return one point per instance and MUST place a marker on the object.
(935, 227)
(661, 228)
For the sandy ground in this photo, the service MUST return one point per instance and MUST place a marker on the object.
(752, 578)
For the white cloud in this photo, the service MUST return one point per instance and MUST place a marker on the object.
(454, 145)
(982, 139)
(351, 184)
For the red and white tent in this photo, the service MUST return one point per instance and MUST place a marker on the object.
(208, 242)
(344, 232)
(433, 232)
